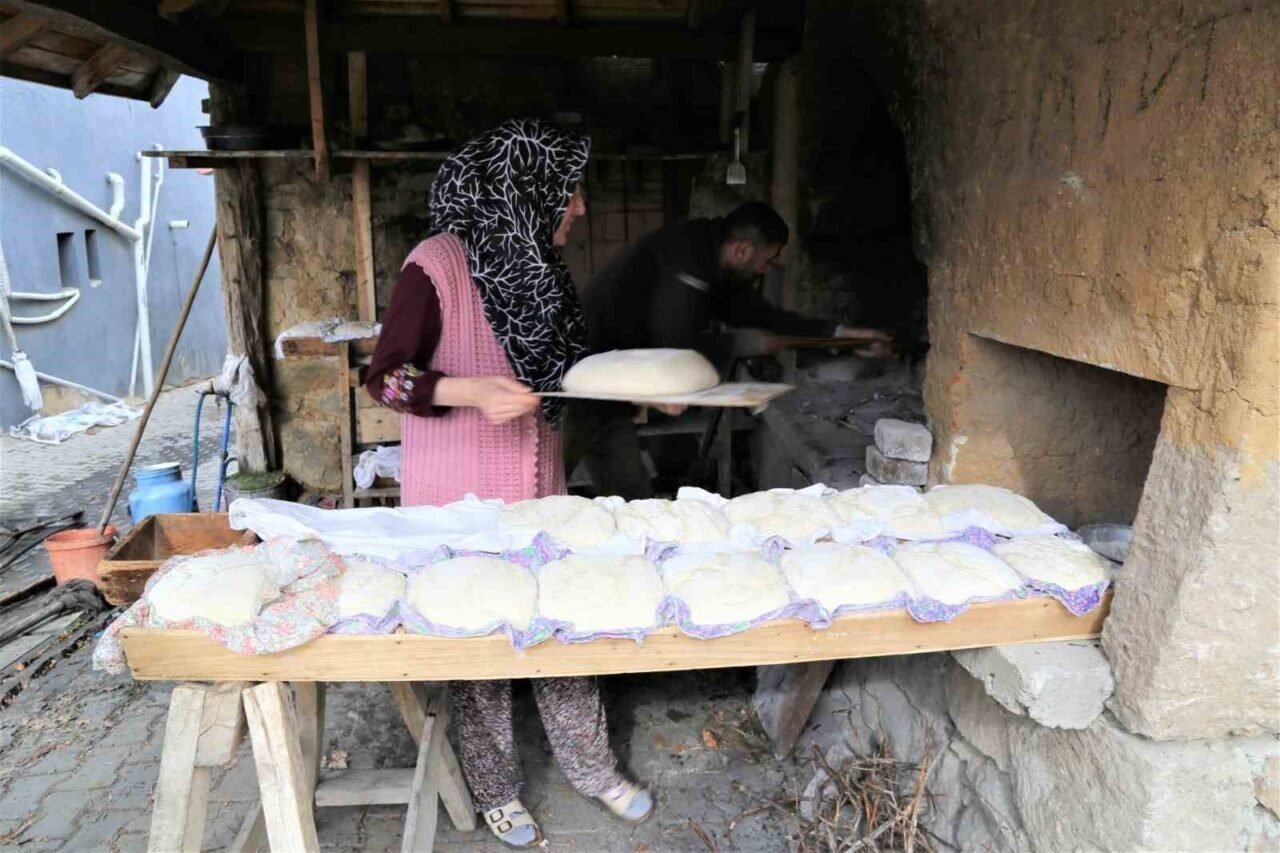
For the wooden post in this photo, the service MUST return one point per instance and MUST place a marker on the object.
(345, 441)
(420, 821)
(241, 253)
(786, 173)
(361, 194)
(746, 61)
(282, 776)
(308, 699)
(315, 87)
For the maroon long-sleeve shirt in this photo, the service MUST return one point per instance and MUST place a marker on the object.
(400, 376)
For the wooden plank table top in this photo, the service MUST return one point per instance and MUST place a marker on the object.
(189, 655)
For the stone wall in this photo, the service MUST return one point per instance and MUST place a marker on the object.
(1023, 757)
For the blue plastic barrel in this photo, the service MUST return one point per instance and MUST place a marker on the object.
(160, 489)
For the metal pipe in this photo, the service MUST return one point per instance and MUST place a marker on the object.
(71, 294)
(117, 195)
(67, 383)
(58, 188)
(143, 328)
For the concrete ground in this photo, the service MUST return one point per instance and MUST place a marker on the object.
(79, 749)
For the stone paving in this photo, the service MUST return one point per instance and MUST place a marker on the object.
(79, 749)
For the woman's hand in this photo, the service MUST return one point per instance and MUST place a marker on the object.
(499, 398)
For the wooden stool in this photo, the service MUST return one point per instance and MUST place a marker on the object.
(207, 722)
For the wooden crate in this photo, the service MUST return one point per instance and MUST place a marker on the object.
(125, 569)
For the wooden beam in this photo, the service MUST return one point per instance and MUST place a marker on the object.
(417, 35)
(361, 188)
(95, 70)
(180, 655)
(162, 84)
(241, 252)
(786, 176)
(315, 88)
(19, 30)
(784, 699)
(200, 52)
(182, 789)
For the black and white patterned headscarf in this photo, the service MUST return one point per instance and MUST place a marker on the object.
(503, 195)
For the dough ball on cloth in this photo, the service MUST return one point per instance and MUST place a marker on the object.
(989, 505)
(687, 522)
(898, 511)
(228, 588)
(367, 588)
(1064, 563)
(643, 372)
(954, 573)
(474, 593)
(791, 515)
(574, 521)
(725, 589)
(843, 575)
(600, 594)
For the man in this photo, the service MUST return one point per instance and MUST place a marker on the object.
(664, 292)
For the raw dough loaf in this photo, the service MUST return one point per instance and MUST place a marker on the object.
(1001, 506)
(368, 589)
(642, 372)
(843, 575)
(225, 589)
(721, 589)
(600, 593)
(575, 521)
(787, 514)
(687, 522)
(472, 593)
(901, 509)
(954, 572)
(1062, 562)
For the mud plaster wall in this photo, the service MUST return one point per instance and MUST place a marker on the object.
(1099, 181)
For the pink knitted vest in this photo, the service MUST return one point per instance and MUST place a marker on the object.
(444, 458)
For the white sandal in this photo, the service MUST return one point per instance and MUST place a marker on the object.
(509, 824)
(629, 801)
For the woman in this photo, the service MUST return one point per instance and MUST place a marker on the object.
(484, 314)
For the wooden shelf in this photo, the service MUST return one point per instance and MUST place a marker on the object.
(191, 656)
(217, 159)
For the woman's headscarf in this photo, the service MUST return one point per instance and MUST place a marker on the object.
(503, 195)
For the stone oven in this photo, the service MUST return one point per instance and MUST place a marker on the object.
(1098, 202)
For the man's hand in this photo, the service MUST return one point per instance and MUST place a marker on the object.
(748, 343)
(672, 410)
(499, 398)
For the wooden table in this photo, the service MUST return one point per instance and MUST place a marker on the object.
(207, 721)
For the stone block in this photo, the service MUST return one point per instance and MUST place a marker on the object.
(1106, 789)
(1060, 685)
(1193, 625)
(1266, 785)
(981, 721)
(901, 440)
(868, 480)
(897, 471)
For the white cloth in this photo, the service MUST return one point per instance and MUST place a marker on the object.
(330, 330)
(381, 461)
(55, 429)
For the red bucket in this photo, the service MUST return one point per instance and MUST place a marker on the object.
(76, 553)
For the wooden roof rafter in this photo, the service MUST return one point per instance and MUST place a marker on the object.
(134, 25)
